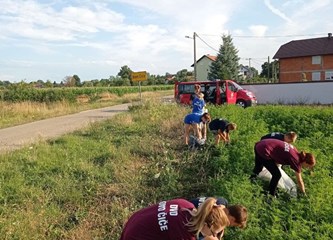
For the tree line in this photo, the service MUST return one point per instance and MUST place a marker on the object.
(226, 66)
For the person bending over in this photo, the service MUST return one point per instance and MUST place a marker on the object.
(237, 214)
(177, 219)
(193, 120)
(289, 137)
(270, 152)
(221, 129)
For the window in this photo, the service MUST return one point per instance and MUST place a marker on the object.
(316, 59)
(188, 88)
(185, 88)
(316, 76)
(231, 87)
(329, 75)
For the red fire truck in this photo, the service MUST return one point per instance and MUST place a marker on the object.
(216, 92)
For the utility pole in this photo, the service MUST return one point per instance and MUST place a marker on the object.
(250, 72)
(195, 55)
(249, 75)
(268, 69)
(273, 71)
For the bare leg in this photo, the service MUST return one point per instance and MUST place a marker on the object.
(197, 131)
(187, 133)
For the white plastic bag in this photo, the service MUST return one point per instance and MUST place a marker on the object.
(285, 182)
(195, 143)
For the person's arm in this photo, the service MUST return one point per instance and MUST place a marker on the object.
(223, 135)
(300, 181)
(227, 137)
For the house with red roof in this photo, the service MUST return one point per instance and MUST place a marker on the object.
(204, 63)
(306, 60)
(203, 66)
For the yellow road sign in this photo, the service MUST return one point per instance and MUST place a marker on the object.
(139, 76)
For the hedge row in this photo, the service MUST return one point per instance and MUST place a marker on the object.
(70, 94)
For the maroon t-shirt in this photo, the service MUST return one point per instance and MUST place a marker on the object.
(163, 221)
(280, 152)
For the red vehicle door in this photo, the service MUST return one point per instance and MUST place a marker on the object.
(231, 92)
(226, 93)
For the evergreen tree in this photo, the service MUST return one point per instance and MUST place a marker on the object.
(226, 65)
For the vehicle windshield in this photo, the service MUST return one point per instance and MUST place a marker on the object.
(237, 86)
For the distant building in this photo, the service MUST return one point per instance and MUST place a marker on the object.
(204, 63)
(203, 66)
(244, 72)
(169, 78)
(306, 60)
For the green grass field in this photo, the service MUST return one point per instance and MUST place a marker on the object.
(85, 185)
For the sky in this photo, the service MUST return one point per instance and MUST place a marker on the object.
(52, 39)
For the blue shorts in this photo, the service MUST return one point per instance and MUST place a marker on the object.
(192, 118)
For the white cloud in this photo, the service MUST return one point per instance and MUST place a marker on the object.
(33, 20)
(276, 11)
(95, 38)
(258, 30)
(310, 8)
(292, 3)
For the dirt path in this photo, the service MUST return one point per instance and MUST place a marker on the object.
(16, 137)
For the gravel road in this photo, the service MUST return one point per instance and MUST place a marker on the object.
(19, 136)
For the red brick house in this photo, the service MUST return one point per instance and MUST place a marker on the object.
(306, 60)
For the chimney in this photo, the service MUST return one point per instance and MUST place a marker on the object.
(329, 35)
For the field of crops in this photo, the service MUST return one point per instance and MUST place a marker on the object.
(86, 185)
(48, 95)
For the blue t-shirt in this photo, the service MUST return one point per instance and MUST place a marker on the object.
(192, 118)
(198, 105)
(273, 135)
(219, 124)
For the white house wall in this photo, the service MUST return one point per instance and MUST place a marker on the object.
(293, 93)
(203, 67)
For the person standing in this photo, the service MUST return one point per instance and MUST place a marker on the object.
(198, 104)
(197, 91)
(221, 129)
(198, 107)
(270, 152)
(176, 219)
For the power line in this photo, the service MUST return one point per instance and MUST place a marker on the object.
(256, 58)
(268, 36)
(207, 43)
